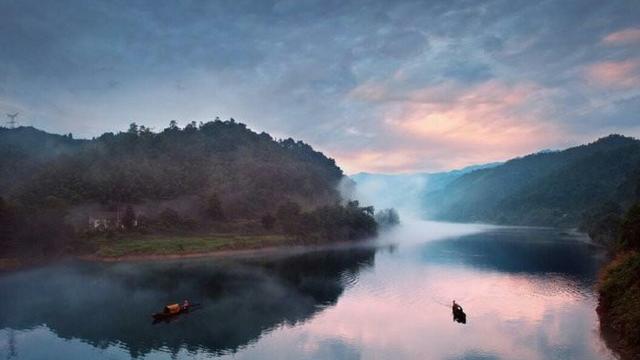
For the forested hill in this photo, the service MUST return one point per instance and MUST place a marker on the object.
(556, 188)
(199, 188)
(251, 173)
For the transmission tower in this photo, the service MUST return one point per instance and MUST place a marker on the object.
(12, 123)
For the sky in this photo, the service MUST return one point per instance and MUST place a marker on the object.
(381, 86)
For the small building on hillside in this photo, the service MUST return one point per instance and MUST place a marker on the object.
(109, 220)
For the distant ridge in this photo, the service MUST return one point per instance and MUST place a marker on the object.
(251, 171)
(546, 188)
(406, 190)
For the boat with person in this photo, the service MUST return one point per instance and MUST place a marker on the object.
(458, 314)
(172, 310)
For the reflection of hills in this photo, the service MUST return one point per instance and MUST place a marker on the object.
(513, 250)
(108, 304)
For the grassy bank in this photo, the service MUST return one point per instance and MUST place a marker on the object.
(142, 245)
(619, 304)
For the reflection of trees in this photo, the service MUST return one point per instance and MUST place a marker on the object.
(12, 345)
(538, 251)
(108, 304)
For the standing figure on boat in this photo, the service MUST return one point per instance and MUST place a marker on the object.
(458, 313)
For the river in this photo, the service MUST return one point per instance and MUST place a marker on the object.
(528, 294)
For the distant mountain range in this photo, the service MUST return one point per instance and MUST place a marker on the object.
(406, 191)
(554, 188)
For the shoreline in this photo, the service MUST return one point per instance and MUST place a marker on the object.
(10, 265)
(195, 255)
(287, 247)
(232, 253)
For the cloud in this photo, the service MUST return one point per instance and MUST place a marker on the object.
(438, 122)
(626, 36)
(484, 115)
(403, 86)
(615, 74)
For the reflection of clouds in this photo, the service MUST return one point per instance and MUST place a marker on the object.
(398, 309)
(241, 301)
(504, 321)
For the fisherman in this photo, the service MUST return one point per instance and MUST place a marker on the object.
(458, 313)
(185, 304)
(455, 306)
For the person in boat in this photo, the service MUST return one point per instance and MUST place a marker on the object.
(458, 313)
(455, 306)
(185, 304)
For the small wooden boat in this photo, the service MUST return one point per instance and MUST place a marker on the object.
(459, 314)
(173, 310)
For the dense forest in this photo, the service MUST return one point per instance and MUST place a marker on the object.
(56, 190)
(556, 188)
(619, 286)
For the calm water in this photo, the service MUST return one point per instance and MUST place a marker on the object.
(528, 294)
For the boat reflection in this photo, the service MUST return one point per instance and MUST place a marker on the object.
(107, 304)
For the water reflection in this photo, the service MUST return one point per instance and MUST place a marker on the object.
(528, 294)
(517, 250)
(106, 305)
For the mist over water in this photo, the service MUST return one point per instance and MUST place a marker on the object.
(402, 192)
(528, 294)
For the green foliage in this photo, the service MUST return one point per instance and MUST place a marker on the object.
(268, 221)
(630, 229)
(214, 208)
(619, 302)
(169, 219)
(8, 227)
(602, 223)
(330, 222)
(619, 284)
(129, 220)
(34, 233)
(288, 216)
(206, 177)
(250, 171)
(182, 244)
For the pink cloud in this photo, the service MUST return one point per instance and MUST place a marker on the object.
(377, 160)
(449, 125)
(615, 74)
(626, 36)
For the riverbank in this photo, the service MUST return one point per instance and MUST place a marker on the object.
(619, 287)
(162, 247)
(317, 285)
(124, 247)
(132, 247)
(619, 304)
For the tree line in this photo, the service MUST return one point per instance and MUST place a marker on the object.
(221, 172)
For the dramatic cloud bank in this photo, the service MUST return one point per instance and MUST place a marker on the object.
(391, 86)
